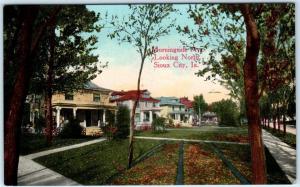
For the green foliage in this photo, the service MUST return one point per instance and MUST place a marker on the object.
(170, 122)
(199, 102)
(40, 123)
(74, 63)
(123, 121)
(226, 111)
(158, 125)
(72, 129)
(95, 164)
(143, 26)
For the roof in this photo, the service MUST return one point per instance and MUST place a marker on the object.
(92, 86)
(174, 101)
(186, 102)
(132, 95)
(209, 114)
(127, 92)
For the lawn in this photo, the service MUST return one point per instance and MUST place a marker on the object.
(105, 162)
(32, 143)
(95, 164)
(159, 169)
(234, 134)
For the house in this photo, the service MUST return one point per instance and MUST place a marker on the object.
(171, 107)
(147, 109)
(210, 117)
(89, 105)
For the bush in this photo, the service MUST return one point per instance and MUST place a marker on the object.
(226, 111)
(170, 123)
(158, 125)
(71, 130)
(123, 122)
(40, 123)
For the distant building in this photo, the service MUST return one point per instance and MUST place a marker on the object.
(180, 113)
(147, 109)
(210, 117)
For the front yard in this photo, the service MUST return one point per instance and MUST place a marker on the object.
(105, 163)
(32, 143)
(233, 134)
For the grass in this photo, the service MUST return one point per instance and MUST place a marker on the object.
(160, 169)
(201, 166)
(105, 162)
(287, 138)
(97, 163)
(239, 155)
(236, 134)
(32, 143)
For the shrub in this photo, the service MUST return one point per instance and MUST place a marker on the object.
(170, 123)
(123, 122)
(226, 111)
(72, 129)
(158, 125)
(40, 123)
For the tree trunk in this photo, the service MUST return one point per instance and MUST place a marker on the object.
(251, 96)
(18, 95)
(49, 117)
(278, 123)
(268, 122)
(131, 140)
(274, 123)
(284, 125)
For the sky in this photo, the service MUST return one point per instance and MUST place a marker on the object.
(124, 62)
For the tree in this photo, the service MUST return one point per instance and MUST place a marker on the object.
(226, 111)
(65, 61)
(21, 48)
(199, 105)
(123, 122)
(230, 24)
(141, 29)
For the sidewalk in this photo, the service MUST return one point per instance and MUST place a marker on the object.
(32, 173)
(284, 155)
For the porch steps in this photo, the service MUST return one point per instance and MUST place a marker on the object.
(93, 131)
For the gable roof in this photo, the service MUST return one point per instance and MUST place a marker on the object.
(186, 102)
(174, 101)
(132, 95)
(92, 86)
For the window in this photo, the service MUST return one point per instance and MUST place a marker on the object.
(69, 96)
(96, 97)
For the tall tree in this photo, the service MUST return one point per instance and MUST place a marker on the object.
(71, 43)
(21, 49)
(141, 28)
(222, 29)
(199, 106)
(226, 111)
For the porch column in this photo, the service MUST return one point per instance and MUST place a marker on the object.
(57, 116)
(74, 112)
(142, 117)
(179, 117)
(151, 116)
(104, 111)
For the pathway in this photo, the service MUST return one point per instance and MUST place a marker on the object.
(187, 140)
(289, 128)
(284, 155)
(32, 173)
